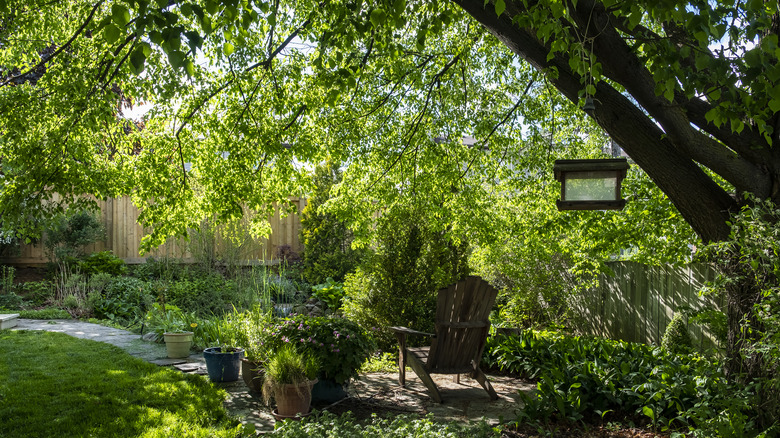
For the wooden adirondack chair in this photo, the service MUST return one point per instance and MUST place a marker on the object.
(462, 327)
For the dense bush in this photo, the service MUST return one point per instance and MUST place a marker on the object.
(103, 262)
(397, 285)
(676, 338)
(325, 424)
(340, 346)
(122, 299)
(590, 379)
(328, 251)
(205, 295)
(68, 234)
(534, 285)
(38, 293)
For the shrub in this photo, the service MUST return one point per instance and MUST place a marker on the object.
(10, 301)
(102, 262)
(331, 293)
(68, 234)
(124, 300)
(38, 293)
(327, 240)
(397, 286)
(676, 338)
(205, 295)
(589, 379)
(340, 345)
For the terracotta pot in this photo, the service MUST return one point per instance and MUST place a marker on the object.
(293, 399)
(253, 374)
(178, 344)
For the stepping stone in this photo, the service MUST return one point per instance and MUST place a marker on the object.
(188, 367)
(168, 362)
(8, 320)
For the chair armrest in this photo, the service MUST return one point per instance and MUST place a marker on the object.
(408, 331)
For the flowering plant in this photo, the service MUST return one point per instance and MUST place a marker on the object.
(339, 345)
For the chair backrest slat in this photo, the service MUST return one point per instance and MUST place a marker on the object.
(461, 325)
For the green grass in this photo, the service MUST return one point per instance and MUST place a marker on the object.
(53, 385)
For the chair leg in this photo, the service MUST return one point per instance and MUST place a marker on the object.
(419, 369)
(483, 380)
(401, 359)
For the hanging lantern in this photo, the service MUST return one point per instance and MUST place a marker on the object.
(591, 184)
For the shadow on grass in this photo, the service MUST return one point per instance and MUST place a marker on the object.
(54, 385)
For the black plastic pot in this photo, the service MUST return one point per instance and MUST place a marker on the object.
(223, 367)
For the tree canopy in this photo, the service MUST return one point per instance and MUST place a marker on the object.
(246, 95)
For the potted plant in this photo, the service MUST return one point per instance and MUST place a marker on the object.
(223, 363)
(339, 345)
(289, 377)
(174, 327)
(253, 366)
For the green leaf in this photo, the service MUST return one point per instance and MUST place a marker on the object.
(189, 67)
(186, 9)
(120, 14)
(500, 7)
(111, 33)
(378, 17)
(647, 410)
(176, 58)
(228, 49)
(212, 7)
(137, 60)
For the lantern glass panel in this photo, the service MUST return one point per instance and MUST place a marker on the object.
(591, 186)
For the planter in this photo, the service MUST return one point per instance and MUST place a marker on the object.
(223, 367)
(328, 391)
(253, 374)
(293, 399)
(178, 344)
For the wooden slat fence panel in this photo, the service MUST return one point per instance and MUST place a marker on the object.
(124, 234)
(639, 301)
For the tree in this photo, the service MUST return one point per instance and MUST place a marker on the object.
(244, 91)
(327, 241)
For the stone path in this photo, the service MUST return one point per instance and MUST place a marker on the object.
(463, 402)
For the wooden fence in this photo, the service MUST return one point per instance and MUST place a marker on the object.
(123, 237)
(638, 302)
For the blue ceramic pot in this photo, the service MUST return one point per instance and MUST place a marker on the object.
(328, 391)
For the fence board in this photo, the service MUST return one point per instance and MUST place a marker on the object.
(638, 302)
(124, 234)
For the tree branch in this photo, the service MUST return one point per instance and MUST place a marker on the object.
(58, 51)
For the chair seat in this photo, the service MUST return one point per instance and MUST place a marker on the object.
(421, 353)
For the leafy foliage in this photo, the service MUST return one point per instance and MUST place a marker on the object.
(330, 292)
(324, 424)
(590, 379)
(102, 262)
(676, 339)
(398, 284)
(339, 345)
(67, 235)
(327, 241)
(749, 261)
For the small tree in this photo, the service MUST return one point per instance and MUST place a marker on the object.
(327, 240)
(398, 284)
(68, 234)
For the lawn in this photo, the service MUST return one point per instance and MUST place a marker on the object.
(53, 385)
